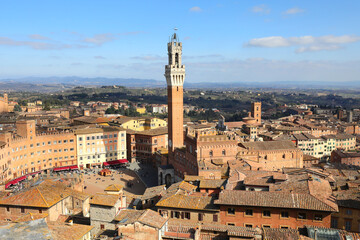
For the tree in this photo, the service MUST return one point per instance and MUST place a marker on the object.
(17, 108)
(46, 106)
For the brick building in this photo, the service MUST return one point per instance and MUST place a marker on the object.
(272, 209)
(343, 157)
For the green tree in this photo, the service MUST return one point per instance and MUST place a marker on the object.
(46, 106)
(17, 108)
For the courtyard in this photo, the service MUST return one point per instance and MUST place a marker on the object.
(95, 183)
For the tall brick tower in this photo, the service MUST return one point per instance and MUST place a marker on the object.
(256, 111)
(175, 76)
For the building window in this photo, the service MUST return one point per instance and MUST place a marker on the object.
(215, 218)
(348, 212)
(249, 212)
(248, 225)
(348, 225)
(334, 223)
(284, 214)
(230, 224)
(8, 209)
(223, 152)
(318, 217)
(211, 153)
(301, 215)
(266, 226)
(102, 227)
(231, 211)
(22, 210)
(284, 227)
(177, 214)
(187, 215)
(201, 216)
(266, 213)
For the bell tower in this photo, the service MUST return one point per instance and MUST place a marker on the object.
(175, 76)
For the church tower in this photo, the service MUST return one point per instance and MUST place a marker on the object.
(175, 76)
(256, 111)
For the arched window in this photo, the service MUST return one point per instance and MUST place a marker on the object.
(224, 152)
(283, 156)
(265, 157)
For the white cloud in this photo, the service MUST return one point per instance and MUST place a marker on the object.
(294, 10)
(230, 70)
(38, 37)
(100, 39)
(306, 43)
(195, 9)
(262, 9)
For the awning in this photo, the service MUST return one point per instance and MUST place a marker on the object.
(115, 162)
(60, 169)
(34, 173)
(73, 167)
(15, 181)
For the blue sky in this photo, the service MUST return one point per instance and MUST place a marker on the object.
(222, 40)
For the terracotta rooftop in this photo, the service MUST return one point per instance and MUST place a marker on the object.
(272, 199)
(269, 145)
(65, 231)
(185, 186)
(147, 217)
(31, 216)
(188, 202)
(43, 196)
(114, 187)
(153, 191)
(154, 132)
(104, 199)
(339, 136)
(277, 233)
(212, 183)
(192, 178)
(180, 225)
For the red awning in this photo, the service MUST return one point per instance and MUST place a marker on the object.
(106, 164)
(114, 162)
(60, 169)
(34, 173)
(73, 167)
(15, 181)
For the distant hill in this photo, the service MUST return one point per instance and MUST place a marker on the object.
(50, 84)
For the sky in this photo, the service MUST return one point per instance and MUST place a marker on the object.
(228, 41)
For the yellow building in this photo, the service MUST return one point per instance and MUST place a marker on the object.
(139, 124)
(98, 145)
(141, 110)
